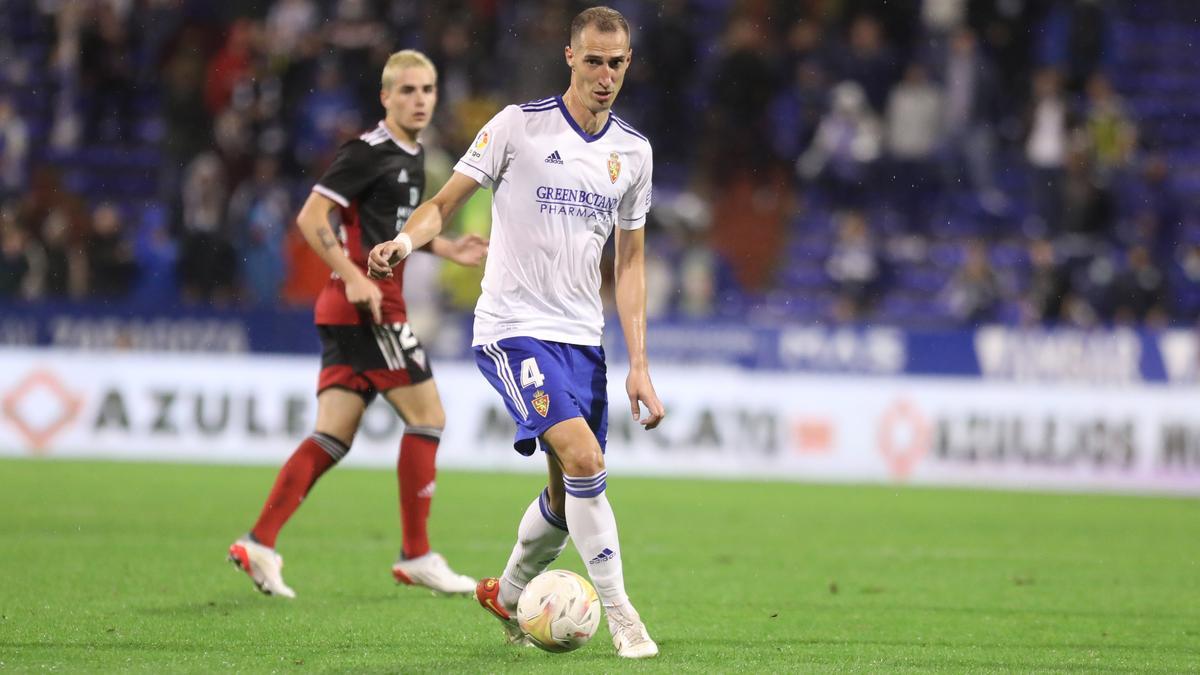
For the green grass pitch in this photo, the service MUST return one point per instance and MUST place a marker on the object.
(110, 566)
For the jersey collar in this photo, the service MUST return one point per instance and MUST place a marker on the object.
(562, 107)
(410, 149)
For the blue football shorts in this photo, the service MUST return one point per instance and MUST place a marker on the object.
(544, 383)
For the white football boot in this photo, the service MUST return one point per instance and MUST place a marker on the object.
(262, 564)
(629, 633)
(432, 572)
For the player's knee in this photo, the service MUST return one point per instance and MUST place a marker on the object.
(581, 461)
(430, 418)
(342, 435)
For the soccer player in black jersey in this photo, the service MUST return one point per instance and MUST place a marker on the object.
(376, 181)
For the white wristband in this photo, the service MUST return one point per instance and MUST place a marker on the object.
(406, 244)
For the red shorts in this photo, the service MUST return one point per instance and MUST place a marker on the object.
(371, 358)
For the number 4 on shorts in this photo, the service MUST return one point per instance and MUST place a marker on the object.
(531, 375)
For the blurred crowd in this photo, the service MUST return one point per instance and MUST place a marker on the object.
(914, 162)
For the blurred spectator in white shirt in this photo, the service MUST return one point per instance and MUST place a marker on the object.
(914, 134)
(848, 142)
(1046, 146)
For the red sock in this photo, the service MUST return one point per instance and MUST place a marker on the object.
(314, 457)
(416, 471)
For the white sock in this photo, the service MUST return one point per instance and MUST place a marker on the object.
(594, 529)
(541, 537)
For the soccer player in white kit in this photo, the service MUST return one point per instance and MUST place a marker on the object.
(565, 173)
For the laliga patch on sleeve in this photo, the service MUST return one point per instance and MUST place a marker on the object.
(478, 146)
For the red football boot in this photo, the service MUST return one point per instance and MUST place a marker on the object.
(488, 595)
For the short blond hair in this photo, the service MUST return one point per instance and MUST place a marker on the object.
(405, 58)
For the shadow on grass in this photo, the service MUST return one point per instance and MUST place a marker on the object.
(254, 602)
(222, 607)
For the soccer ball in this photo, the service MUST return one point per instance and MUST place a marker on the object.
(559, 611)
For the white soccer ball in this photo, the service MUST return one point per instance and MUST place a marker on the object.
(559, 610)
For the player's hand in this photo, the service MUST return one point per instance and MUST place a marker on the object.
(640, 389)
(364, 294)
(383, 258)
(468, 250)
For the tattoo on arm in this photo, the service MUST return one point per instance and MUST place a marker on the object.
(327, 238)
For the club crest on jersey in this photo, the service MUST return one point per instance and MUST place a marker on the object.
(614, 166)
(541, 402)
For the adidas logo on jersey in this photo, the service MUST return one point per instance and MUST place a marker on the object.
(554, 158)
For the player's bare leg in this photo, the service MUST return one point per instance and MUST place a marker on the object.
(594, 528)
(338, 415)
(416, 469)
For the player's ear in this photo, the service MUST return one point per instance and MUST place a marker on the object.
(569, 54)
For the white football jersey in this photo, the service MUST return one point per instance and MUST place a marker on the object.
(557, 194)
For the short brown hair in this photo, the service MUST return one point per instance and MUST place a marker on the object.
(605, 19)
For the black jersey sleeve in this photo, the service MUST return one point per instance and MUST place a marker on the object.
(351, 172)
